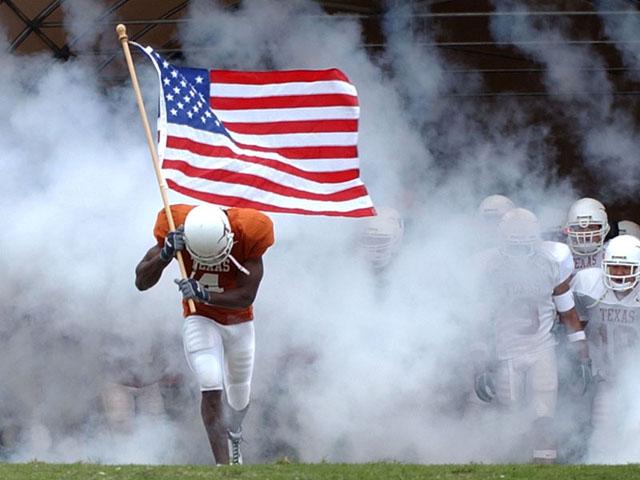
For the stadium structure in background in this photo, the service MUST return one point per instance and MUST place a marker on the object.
(458, 29)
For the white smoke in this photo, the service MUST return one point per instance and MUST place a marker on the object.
(348, 371)
(77, 196)
(623, 30)
(614, 149)
(83, 24)
(576, 76)
(349, 367)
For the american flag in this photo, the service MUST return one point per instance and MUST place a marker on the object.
(277, 141)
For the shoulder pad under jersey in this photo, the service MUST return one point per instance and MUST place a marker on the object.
(588, 282)
(561, 254)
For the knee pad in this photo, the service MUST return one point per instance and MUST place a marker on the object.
(238, 395)
(544, 403)
(239, 367)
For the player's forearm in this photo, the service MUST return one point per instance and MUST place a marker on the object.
(571, 320)
(575, 332)
(238, 298)
(149, 271)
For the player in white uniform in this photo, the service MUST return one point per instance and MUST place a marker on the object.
(495, 206)
(609, 299)
(526, 283)
(628, 227)
(489, 213)
(587, 227)
(381, 237)
(379, 243)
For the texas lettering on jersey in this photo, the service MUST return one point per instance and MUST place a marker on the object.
(253, 235)
(587, 261)
(618, 315)
(613, 323)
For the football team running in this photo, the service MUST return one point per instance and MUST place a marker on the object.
(565, 294)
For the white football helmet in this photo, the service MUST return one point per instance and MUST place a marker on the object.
(519, 233)
(494, 207)
(208, 236)
(622, 251)
(627, 227)
(381, 236)
(586, 226)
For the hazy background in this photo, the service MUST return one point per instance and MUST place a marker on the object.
(346, 369)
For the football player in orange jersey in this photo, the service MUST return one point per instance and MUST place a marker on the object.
(223, 252)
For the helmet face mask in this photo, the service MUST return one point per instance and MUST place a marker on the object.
(208, 235)
(621, 263)
(586, 227)
(621, 280)
(586, 240)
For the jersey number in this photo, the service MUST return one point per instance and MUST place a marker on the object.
(210, 282)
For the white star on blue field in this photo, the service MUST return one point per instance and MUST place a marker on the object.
(186, 94)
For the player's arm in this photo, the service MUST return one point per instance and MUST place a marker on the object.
(242, 296)
(480, 354)
(565, 305)
(576, 337)
(149, 270)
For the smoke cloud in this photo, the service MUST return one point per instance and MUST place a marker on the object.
(576, 75)
(351, 366)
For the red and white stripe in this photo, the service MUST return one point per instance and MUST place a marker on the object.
(293, 147)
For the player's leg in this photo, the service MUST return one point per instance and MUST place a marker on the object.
(510, 380)
(204, 353)
(119, 407)
(544, 395)
(603, 421)
(510, 384)
(239, 348)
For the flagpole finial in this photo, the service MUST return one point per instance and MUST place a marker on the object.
(122, 32)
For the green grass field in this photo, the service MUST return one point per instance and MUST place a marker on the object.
(45, 471)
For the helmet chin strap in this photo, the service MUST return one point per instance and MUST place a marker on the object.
(240, 267)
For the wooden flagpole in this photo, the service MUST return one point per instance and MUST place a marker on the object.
(162, 183)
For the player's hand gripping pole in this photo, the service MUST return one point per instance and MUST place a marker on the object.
(162, 183)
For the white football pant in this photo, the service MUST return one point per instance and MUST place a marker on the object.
(221, 356)
(532, 378)
(606, 414)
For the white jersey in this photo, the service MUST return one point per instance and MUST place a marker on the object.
(613, 328)
(519, 297)
(588, 261)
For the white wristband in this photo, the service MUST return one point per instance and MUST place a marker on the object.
(564, 302)
(576, 336)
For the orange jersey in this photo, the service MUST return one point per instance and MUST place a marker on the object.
(252, 235)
